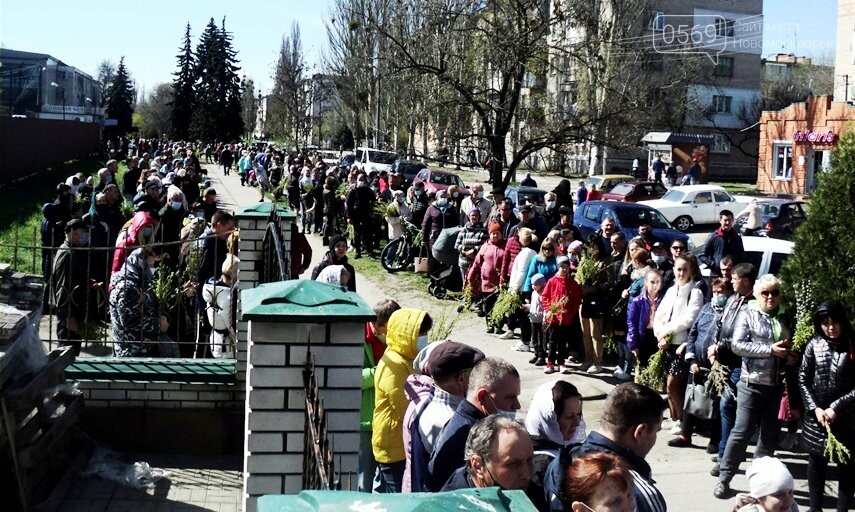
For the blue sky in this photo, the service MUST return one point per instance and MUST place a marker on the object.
(148, 32)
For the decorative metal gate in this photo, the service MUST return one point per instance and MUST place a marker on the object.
(275, 264)
(319, 470)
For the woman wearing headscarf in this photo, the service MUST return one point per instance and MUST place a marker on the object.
(564, 194)
(770, 488)
(554, 418)
(135, 322)
(140, 232)
(827, 383)
(335, 275)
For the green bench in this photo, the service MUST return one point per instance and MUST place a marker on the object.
(149, 369)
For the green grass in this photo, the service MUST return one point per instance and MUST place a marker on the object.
(22, 204)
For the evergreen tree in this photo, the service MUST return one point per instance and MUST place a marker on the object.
(182, 105)
(217, 112)
(822, 265)
(120, 100)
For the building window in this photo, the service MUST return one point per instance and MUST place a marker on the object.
(723, 27)
(721, 104)
(783, 162)
(724, 67)
(722, 144)
(656, 21)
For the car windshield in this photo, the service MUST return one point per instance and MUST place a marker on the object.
(444, 179)
(633, 217)
(530, 196)
(675, 196)
(622, 189)
(382, 157)
(594, 180)
(770, 210)
(411, 168)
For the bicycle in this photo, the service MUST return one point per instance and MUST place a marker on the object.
(398, 253)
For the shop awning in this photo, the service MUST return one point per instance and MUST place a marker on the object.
(677, 138)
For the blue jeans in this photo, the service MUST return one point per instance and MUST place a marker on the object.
(755, 404)
(727, 410)
(389, 477)
(626, 359)
(367, 464)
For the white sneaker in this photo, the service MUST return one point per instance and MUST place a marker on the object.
(677, 428)
(594, 369)
(622, 375)
(509, 335)
(520, 347)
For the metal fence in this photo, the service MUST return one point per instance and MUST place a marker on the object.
(319, 469)
(275, 263)
(78, 305)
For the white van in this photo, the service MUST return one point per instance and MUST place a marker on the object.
(766, 254)
(370, 159)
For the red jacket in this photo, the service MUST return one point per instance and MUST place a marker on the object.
(512, 248)
(377, 347)
(556, 288)
(484, 271)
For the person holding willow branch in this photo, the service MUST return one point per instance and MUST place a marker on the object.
(827, 383)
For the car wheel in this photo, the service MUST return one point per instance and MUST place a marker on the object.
(683, 223)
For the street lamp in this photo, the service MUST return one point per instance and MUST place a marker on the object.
(62, 93)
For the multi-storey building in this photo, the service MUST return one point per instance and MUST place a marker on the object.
(39, 85)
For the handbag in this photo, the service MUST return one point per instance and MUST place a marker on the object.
(619, 309)
(421, 264)
(698, 403)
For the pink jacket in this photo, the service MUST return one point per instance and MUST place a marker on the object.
(485, 269)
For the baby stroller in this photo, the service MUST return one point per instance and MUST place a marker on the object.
(446, 278)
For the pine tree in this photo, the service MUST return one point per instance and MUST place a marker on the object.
(120, 100)
(217, 112)
(182, 105)
(822, 265)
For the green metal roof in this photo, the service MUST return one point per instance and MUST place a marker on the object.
(147, 369)
(483, 499)
(303, 301)
(263, 210)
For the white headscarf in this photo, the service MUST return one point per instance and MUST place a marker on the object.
(542, 421)
(331, 275)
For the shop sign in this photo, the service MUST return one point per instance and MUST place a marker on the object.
(828, 137)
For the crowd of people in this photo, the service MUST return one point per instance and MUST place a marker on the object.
(426, 404)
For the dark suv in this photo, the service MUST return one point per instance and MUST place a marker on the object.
(409, 168)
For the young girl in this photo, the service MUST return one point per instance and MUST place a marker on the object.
(564, 296)
(639, 320)
(827, 383)
(680, 306)
(535, 315)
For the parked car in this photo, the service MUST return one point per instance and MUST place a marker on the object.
(348, 160)
(435, 181)
(687, 205)
(329, 157)
(369, 159)
(634, 191)
(409, 168)
(766, 254)
(607, 181)
(627, 217)
(781, 217)
(521, 195)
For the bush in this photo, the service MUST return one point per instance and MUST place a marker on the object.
(822, 265)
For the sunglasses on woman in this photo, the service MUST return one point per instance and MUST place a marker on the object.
(770, 293)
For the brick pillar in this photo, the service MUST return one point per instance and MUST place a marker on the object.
(287, 320)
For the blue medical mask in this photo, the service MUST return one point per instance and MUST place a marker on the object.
(551, 204)
(147, 231)
(422, 342)
(442, 203)
(719, 301)
(84, 239)
(658, 259)
(503, 412)
(176, 205)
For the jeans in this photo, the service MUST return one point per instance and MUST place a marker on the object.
(389, 477)
(727, 411)
(755, 403)
(557, 337)
(537, 342)
(367, 464)
(626, 357)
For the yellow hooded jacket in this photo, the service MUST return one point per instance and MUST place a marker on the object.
(394, 367)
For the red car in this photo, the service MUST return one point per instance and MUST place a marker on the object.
(440, 180)
(634, 191)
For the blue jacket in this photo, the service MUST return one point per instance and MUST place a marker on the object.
(637, 318)
(581, 195)
(548, 268)
(702, 335)
(448, 452)
(647, 496)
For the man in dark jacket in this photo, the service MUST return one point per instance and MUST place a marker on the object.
(494, 388)
(131, 177)
(360, 204)
(420, 203)
(632, 417)
(723, 241)
(69, 284)
(439, 215)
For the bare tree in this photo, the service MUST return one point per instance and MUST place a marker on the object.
(155, 111)
(287, 117)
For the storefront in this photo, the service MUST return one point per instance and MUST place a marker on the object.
(796, 144)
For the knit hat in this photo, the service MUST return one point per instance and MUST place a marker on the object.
(768, 475)
(538, 279)
(575, 246)
(336, 239)
(475, 210)
(494, 226)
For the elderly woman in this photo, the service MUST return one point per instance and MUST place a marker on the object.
(554, 420)
(827, 382)
(469, 240)
(762, 338)
(135, 322)
(770, 487)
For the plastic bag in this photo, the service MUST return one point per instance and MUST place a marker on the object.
(107, 465)
(27, 344)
